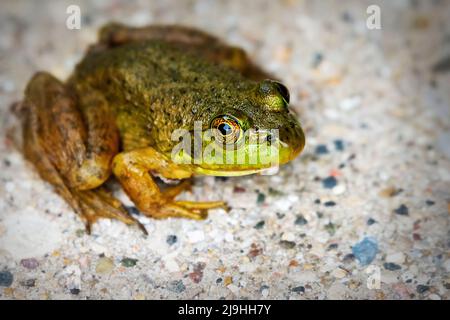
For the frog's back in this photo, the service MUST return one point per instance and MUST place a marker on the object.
(152, 64)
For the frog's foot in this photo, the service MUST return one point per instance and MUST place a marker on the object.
(132, 170)
(99, 203)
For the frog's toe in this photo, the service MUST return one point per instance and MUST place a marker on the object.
(184, 209)
(99, 203)
(171, 192)
(203, 205)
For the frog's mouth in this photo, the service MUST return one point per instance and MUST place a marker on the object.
(227, 173)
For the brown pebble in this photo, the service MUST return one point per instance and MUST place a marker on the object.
(197, 275)
(254, 251)
(293, 263)
(417, 237)
(389, 192)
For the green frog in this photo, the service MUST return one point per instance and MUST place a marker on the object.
(118, 111)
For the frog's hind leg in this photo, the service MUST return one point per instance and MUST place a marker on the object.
(60, 146)
(188, 39)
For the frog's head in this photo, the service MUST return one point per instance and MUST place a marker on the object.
(251, 131)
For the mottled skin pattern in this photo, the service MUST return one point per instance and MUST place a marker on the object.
(117, 112)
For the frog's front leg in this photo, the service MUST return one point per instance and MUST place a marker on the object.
(133, 171)
(71, 141)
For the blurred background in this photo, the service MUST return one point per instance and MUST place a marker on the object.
(363, 213)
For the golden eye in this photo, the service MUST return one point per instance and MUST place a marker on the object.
(226, 129)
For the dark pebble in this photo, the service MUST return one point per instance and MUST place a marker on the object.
(321, 149)
(339, 144)
(430, 202)
(329, 204)
(219, 280)
(259, 225)
(349, 258)
(75, 291)
(422, 288)
(261, 198)
(171, 239)
(275, 192)
(299, 289)
(29, 283)
(280, 215)
(347, 17)
(6, 278)
(331, 228)
(402, 210)
(128, 262)
(317, 201)
(333, 246)
(443, 65)
(222, 178)
(391, 266)
(417, 237)
(370, 221)
(287, 244)
(177, 286)
(263, 287)
(300, 220)
(317, 59)
(329, 183)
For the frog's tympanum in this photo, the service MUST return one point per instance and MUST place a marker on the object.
(118, 111)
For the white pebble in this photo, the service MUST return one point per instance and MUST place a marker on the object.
(397, 257)
(350, 103)
(196, 236)
(171, 265)
(446, 265)
(288, 236)
(339, 189)
(229, 237)
(339, 273)
(233, 288)
(265, 293)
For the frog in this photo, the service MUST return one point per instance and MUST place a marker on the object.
(116, 113)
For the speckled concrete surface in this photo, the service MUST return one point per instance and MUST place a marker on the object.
(370, 193)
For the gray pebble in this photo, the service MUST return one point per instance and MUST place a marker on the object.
(6, 278)
(177, 286)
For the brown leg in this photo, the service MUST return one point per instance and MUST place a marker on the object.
(71, 147)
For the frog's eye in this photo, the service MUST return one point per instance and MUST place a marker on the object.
(283, 91)
(273, 95)
(226, 129)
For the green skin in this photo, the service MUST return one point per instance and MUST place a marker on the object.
(147, 86)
